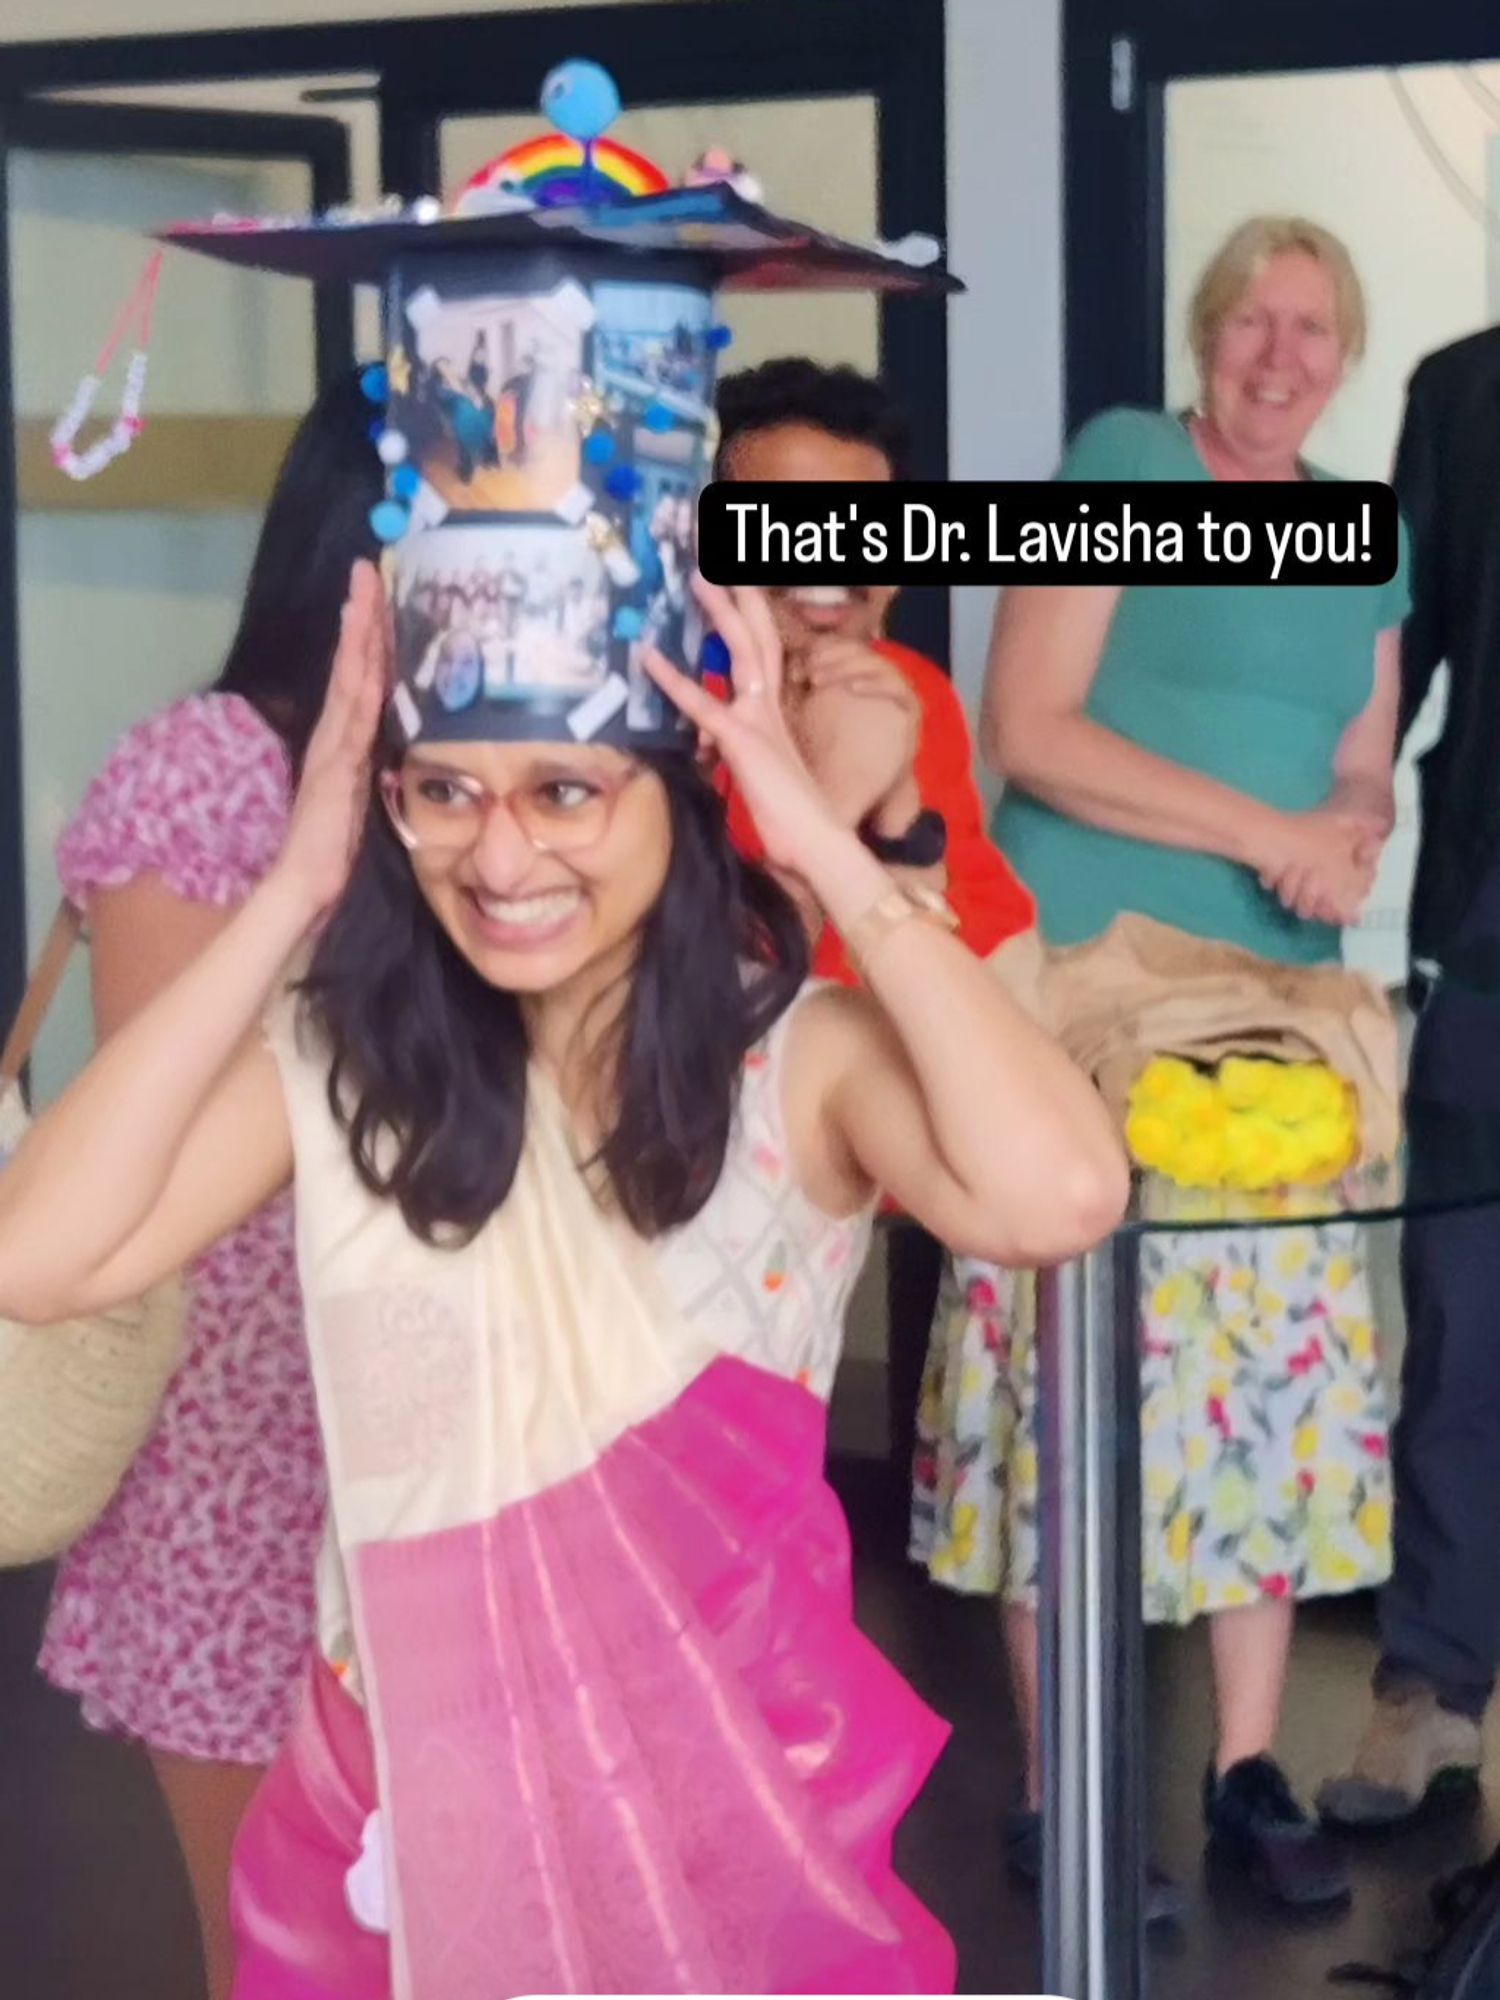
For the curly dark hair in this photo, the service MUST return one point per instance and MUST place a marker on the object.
(794, 390)
(428, 1075)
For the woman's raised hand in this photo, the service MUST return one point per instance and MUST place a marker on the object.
(749, 731)
(328, 814)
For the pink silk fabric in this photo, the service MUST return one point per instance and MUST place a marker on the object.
(636, 1743)
(296, 1938)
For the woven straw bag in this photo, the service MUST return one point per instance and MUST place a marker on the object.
(77, 1400)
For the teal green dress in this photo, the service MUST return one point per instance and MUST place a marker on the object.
(1251, 685)
(1264, 1465)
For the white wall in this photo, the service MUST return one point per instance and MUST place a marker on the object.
(1005, 241)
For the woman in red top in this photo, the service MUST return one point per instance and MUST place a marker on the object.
(880, 725)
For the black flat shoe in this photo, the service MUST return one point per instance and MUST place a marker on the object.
(1165, 1900)
(1256, 1825)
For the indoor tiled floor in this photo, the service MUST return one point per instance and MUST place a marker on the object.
(1230, 1948)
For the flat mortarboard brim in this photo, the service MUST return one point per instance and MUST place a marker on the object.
(743, 246)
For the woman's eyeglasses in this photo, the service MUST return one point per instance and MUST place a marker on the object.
(439, 812)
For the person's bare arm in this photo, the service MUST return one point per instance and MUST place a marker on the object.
(177, 1129)
(937, 1088)
(1362, 795)
(1033, 730)
(935, 1085)
(140, 938)
(1365, 761)
(1036, 733)
(173, 1133)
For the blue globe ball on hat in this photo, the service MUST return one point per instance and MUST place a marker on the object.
(581, 100)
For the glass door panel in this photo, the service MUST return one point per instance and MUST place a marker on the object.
(336, 97)
(128, 585)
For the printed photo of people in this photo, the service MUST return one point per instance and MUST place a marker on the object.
(662, 544)
(508, 612)
(651, 348)
(487, 387)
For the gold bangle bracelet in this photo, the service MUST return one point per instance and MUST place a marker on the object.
(891, 909)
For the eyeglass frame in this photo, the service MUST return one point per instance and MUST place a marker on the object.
(390, 784)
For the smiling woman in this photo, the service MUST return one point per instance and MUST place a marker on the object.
(1276, 319)
(441, 814)
(583, 1178)
(581, 1174)
(582, 882)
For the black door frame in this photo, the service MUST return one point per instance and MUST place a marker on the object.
(89, 128)
(660, 54)
(1119, 56)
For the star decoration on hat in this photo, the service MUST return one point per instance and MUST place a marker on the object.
(398, 371)
(587, 407)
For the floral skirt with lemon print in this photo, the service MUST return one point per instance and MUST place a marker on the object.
(1265, 1471)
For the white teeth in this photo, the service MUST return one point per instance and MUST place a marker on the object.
(528, 912)
(821, 595)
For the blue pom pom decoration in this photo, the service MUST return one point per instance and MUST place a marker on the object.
(720, 337)
(376, 384)
(599, 448)
(629, 622)
(623, 482)
(389, 520)
(657, 417)
(406, 482)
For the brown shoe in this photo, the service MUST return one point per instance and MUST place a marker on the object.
(1413, 1753)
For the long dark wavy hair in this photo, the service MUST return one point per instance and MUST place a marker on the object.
(428, 1074)
(317, 525)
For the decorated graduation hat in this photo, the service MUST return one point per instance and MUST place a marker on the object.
(547, 397)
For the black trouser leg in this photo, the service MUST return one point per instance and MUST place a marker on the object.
(1440, 1613)
(914, 1267)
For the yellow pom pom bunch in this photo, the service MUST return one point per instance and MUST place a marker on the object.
(1252, 1123)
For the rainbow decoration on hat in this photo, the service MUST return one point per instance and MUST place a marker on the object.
(549, 171)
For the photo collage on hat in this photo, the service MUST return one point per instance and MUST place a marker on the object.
(557, 429)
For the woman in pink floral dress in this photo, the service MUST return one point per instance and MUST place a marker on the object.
(184, 1617)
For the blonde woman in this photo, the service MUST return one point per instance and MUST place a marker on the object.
(1220, 760)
